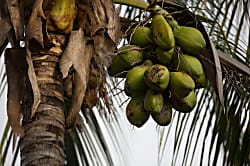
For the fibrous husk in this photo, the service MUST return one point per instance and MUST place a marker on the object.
(35, 34)
(77, 55)
(103, 27)
(34, 27)
(16, 18)
(16, 69)
(98, 20)
(100, 24)
(4, 31)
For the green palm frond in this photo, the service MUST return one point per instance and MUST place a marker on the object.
(3, 141)
(212, 134)
(224, 132)
(98, 142)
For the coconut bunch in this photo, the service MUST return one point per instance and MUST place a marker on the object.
(161, 70)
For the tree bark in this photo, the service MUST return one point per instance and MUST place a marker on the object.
(43, 143)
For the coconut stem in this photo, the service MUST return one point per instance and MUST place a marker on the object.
(144, 6)
(135, 3)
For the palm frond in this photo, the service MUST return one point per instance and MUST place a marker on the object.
(224, 132)
(98, 142)
(212, 134)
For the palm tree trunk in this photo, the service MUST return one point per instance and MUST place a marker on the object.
(43, 143)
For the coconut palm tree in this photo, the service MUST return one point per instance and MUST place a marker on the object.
(60, 61)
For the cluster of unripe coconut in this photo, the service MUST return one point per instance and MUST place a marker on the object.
(161, 69)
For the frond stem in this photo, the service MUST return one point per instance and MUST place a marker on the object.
(143, 5)
(135, 3)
